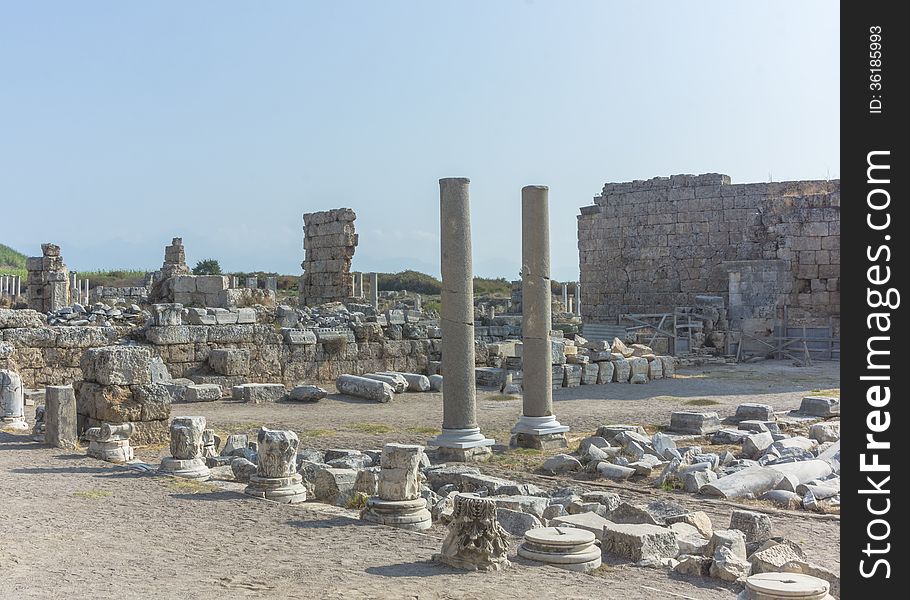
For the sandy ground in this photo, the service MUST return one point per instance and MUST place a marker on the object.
(78, 528)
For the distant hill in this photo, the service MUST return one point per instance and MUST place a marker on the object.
(10, 258)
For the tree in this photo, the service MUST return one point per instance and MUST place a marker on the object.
(208, 266)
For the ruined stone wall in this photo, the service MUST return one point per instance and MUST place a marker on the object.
(650, 246)
(50, 355)
(329, 242)
(48, 280)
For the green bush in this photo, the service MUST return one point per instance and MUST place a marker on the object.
(209, 266)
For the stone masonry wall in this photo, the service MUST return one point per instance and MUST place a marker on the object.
(329, 242)
(48, 280)
(649, 246)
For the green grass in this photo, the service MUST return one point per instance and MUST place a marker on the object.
(376, 428)
(830, 393)
(11, 259)
(701, 402)
(319, 432)
(93, 494)
(189, 486)
(423, 430)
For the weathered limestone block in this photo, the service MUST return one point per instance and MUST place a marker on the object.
(259, 393)
(820, 406)
(751, 411)
(202, 392)
(694, 422)
(638, 370)
(435, 382)
(276, 477)
(230, 361)
(828, 431)
(571, 375)
(307, 393)
(669, 366)
(333, 486)
(655, 369)
(186, 458)
(117, 365)
(754, 525)
(622, 370)
(60, 417)
(475, 540)
(362, 387)
(639, 541)
(167, 314)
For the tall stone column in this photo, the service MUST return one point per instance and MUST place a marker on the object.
(460, 439)
(537, 427)
(565, 296)
(578, 298)
(374, 290)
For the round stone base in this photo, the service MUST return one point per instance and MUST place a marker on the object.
(404, 514)
(193, 468)
(563, 547)
(773, 586)
(286, 490)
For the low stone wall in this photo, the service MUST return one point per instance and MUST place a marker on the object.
(287, 356)
(51, 355)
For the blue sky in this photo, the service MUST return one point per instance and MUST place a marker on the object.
(124, 124)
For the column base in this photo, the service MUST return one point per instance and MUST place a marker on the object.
(475, 454)
(461, 445)
(404, 514)
(541, 433)
(547, 441)
(285, 490)
(115, 451)
(193, 468)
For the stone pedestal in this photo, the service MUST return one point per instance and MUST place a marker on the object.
(475, 541)
(399, 503)
(785, 586)
(537, 427)
(12, 401)
(276, 475)
(564, 547)
(460, 435)
(60, 416)
(186, 458)
(111, 442)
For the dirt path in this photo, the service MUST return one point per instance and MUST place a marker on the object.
(78, 528)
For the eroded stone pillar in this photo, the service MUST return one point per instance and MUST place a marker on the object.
(460, 439)
(577, 299)
(374, 290)
(60, 416)
(537, 427)
(399, 503)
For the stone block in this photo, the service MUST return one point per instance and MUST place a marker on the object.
(60, 417)
(516, 523)
(117, 365)
(820, 406)
(307, 393)
(751, 411)
(230, 361)
(202, 392)
(694, 422)
(755, 526)
(639, 542)
(259, 393)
